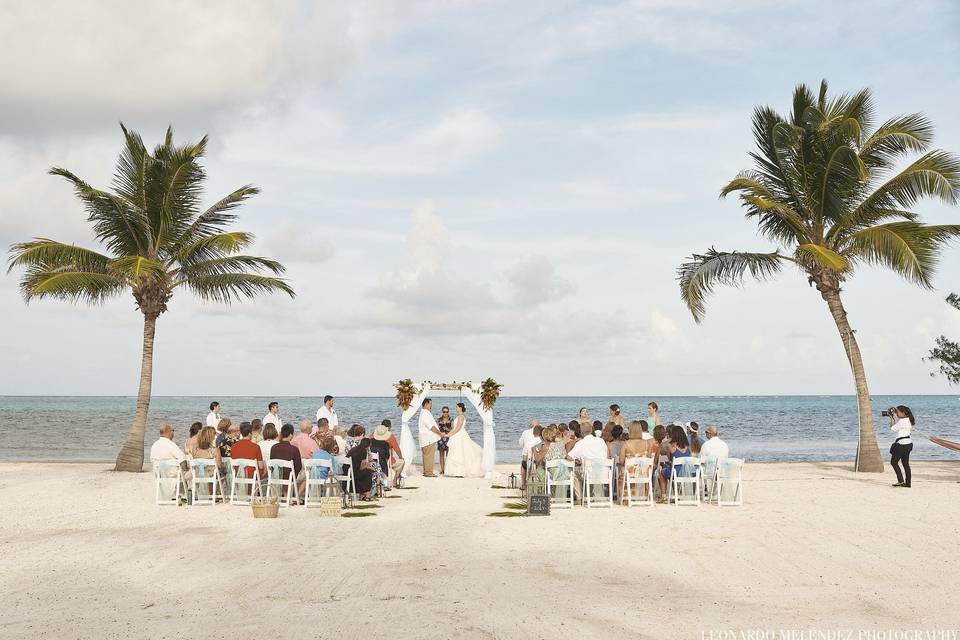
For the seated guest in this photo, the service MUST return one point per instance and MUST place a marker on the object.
(551, 448)
(634, 447)
(304, 442)
(362, 472)
(328, 451)
(693, 436)
(192, 440)
(588, 447)
(222, 427)
(714, 447)
(166, 449)
(205, 449)
(597, 428)
(270, 438)
(245, 449)
(355, 435)
(322, 430)
(256, 436)
(284, 450)
(679, 448)
(395, 458)
(339, 434)
(658, 444)
(229, 434)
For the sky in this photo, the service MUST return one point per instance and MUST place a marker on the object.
(464, 189)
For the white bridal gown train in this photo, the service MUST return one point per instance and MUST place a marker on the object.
(464, 456)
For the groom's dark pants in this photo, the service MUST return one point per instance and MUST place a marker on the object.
(429, 452)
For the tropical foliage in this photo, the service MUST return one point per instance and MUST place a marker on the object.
(406, 392)
(156, 240)
(833, 192)
(947, 352)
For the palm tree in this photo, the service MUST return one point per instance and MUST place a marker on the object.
(826, 191)
(158, 241)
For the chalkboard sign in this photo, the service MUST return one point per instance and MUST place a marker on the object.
(538, 506)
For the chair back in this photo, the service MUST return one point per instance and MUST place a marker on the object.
(312, 468)
(279, 469)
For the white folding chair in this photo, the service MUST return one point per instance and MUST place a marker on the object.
(565, 501)
(282, 478)
(730, 482)
(350, 492)
(205, 482)
(684, 486)
(170, 482)
(226, 475)
(597, 472)
(638, 472)
(244, 488)
(708, 474)
(311, 469)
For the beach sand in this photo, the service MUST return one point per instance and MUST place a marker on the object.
(86, 554)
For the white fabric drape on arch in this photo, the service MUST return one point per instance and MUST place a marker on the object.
(489, 439)
(407, 445)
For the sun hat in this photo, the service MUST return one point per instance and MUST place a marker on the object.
(382, 433)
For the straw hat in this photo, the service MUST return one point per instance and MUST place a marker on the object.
(382, 433)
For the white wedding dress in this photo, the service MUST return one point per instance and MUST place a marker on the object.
(464, 456)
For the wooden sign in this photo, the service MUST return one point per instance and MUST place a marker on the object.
(331, 506)
(538, 505)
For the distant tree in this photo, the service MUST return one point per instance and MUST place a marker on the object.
(158, 241)
(947, 352)
(826, 191)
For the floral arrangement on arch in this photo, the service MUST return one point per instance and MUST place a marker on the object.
(489, 392)
(406, 392)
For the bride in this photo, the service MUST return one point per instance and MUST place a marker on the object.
(464, 456)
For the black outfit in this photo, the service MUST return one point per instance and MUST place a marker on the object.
(444, 426)
(363, 478)
(901, 453)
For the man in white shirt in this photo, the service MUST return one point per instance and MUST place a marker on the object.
(273, 417)
(528, 440)
(714, 447)
(326, 411)
(587, 448)
(429, 437)
(213, 418)
(166, 449)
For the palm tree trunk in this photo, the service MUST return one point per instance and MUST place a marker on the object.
(868, 453)
(131, 454)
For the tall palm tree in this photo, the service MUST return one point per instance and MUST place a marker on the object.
(826, 190)
(158, 240)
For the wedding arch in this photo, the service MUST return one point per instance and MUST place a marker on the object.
(483, 396)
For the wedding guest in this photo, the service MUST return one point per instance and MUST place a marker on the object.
(588, 446)
(362, 472)
(659, 442)
(634, 447)
(166, 449)
(229, 434)
(256, 436)
(615, 442)
(245, 449)
(191, 442)
(653, 414)
(606, 434)
(273, 415)
(284, 450)
(396, 455)
(213, 418)
(339, 435)
(583, 416)
(714, 447)
(270, 437)
(328, 451)
(327, 411)
(693, 436)
(551, 447)
(444, 424)
(222, 427)
(597, 428)
(615, 416)
(322, 430)
(304, 442)
(205, 449)
(527, 441)
(679, 448)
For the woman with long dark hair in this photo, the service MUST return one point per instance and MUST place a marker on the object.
(901, 421)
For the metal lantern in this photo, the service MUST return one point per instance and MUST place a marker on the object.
(513, 481)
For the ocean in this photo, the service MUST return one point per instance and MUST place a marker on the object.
(758, 428)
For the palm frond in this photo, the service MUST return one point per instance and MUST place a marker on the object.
(230, 264)
(910, 249)
(179, 189)
(702, 273)
(227, 287)
(935, 174)
(53, 254)
(895, 138)
(218, 216)
(213, 246)
(820, 256)
(40, 281)
(137, 270)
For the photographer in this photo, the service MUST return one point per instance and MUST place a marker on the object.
(901, 421)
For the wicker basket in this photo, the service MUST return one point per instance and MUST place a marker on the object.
(268, 507)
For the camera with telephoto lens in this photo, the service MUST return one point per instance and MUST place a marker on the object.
(889, 413)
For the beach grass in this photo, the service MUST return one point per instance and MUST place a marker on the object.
(355, 514)
(366, 506)
(497, 486)
(515, 505)
(506, 514)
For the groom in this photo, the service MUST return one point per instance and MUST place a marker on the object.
(429, 437)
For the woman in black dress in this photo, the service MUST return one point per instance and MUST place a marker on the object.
(362, 473)
(444, 424)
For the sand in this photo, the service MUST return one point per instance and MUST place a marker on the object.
(86, 554)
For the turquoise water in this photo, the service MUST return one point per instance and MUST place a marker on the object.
(759, 428)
